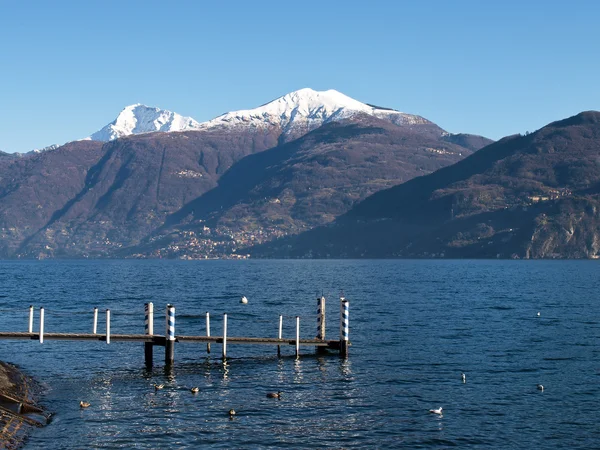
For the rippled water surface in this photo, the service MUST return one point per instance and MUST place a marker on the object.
(415, 326)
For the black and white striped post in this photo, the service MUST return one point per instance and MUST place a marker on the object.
(42, 325)
(95, 326)
(344, 326)
(321, 323)
(170, 336)
(224, 336)
(108, 326)
(149, 330)
(31, 319)
(207, 331)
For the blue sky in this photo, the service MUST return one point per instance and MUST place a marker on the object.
(491, 68)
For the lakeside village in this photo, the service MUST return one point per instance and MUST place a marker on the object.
(219, 243)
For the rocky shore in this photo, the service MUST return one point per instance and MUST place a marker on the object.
(19, 413)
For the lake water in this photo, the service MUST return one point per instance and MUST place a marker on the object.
(415, 326)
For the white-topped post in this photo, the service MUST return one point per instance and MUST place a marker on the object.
(207, 331)
(149, 329)
(224, 336)
(297, 336)
(108, 326)
(95, 326)
(41, 325)
(31, 319)
(280, 334)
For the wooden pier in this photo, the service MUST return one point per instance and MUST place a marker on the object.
(169, 339)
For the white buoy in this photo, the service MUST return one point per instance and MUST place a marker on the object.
(464, 378)
(539, 314)
(243, 300)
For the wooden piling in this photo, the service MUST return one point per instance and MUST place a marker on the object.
(170, 336)
(149, 328)
(320, 322)
(207, 331)
(31, 318)
(224, 336)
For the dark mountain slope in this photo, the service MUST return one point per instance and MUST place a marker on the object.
(125, 192)
(524, 196)
(307, 182)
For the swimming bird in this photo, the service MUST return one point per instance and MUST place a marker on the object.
(436, 411)
(158, 386)
(232, 412)
(83, 404)
(464, 377)
(274, 394)
(539, 314)
(244, 299)
(195, 390)
(540, 387)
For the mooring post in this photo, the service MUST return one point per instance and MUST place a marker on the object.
(31, 318)
(297, 336)
(41, 325)
(280, 334)
(95, 327)
(344, 328)
(170, 336)
(320, 322)
(108, 326)
(224, 336)
(149, 328)
(207, 331)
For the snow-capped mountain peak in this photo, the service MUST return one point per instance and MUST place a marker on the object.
(307, 109)
(138, 118)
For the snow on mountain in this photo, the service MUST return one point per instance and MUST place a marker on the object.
(308, 109)
(295, 113)
(137, 119)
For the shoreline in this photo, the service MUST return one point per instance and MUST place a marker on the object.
(18, 400)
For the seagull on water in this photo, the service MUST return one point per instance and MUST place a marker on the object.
(243, 300)
(540, 387)
(232, 413)
(436, 411)
(195, 390)
(83, 404)
(158, 386)
(274, 394)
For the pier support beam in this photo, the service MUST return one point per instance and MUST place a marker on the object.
(344, 326)
(149, 329)
(321, 323)
(170, 336)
